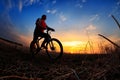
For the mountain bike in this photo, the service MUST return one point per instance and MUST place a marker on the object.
(53, 47)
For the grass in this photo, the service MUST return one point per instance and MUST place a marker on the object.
(16, 63)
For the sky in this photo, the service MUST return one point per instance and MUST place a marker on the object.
(76, 22)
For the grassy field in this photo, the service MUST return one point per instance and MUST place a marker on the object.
(16, 63)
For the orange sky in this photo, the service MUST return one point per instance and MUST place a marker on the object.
(74, 25)
(85, 41)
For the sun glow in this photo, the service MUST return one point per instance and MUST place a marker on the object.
(73, 43)
(73, 46)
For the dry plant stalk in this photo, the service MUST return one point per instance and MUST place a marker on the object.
(100, 74)
(67, 75)
(63, 76)
(75, 74)
(109, 41)
(116, 21)
(19, 77)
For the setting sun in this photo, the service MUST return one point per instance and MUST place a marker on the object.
(73, 46)
(72, 43)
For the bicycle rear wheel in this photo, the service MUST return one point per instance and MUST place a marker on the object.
(54, 49)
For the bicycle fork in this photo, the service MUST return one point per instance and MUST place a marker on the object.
(51, 45)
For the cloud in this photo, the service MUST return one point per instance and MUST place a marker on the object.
(54, 2)
(51, 11)
(84, 1)
(9, 31)
(23, 3)
(90, 28)
(118, 3)
(94, 17)
(20, 6)
(116, 9)
(31, 2)
(80, 3)
(62, 18)
(7, 28)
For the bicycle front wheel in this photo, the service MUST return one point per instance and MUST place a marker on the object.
(54, 49)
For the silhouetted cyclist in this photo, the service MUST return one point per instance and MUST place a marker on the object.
(39, 30)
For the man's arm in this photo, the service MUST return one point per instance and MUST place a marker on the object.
(49, 28)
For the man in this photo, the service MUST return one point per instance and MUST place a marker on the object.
(39, 30)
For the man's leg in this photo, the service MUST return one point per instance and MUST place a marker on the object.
(35, 37)
(45, 39)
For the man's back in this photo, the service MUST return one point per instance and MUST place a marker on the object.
(40, 25)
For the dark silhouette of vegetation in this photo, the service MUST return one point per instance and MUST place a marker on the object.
(116, 21)
(12, 42)
(109, 40)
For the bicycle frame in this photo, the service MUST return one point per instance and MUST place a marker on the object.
(39, 46)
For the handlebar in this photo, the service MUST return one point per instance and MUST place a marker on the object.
(50, 29)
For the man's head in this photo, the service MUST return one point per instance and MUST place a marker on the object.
(44, 17)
